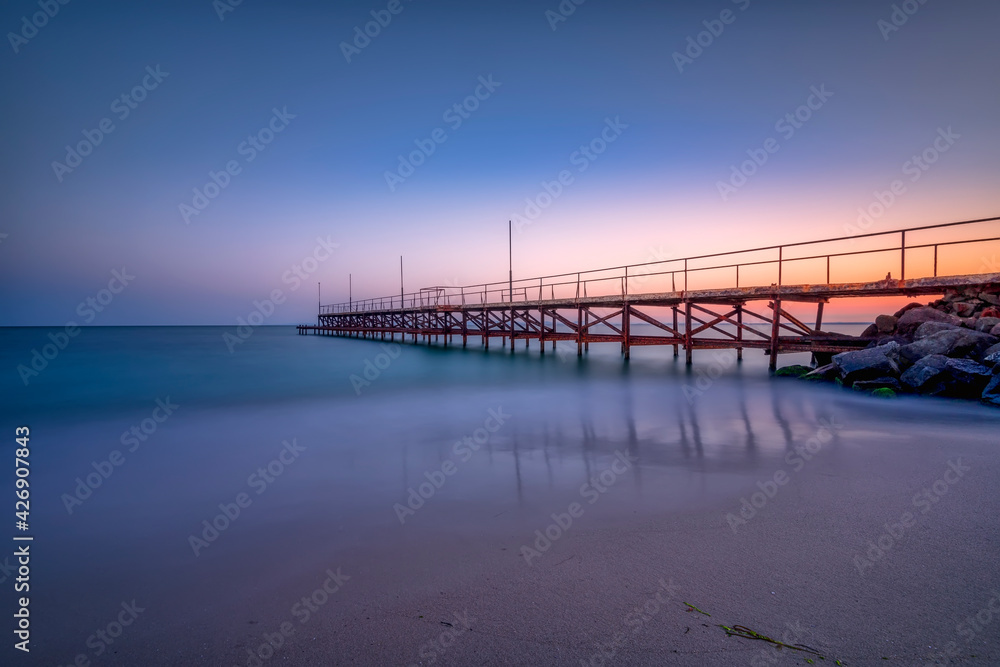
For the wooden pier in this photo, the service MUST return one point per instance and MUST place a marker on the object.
(605, 305)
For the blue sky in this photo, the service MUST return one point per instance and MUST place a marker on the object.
(321, 181)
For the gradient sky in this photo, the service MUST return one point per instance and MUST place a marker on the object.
(653, 192)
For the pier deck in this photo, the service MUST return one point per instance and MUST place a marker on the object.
(558, 308)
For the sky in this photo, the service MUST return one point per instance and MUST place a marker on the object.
(218, 154)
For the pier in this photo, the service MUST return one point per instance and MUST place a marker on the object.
(733, 300)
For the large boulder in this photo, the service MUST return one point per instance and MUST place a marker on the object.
(993, 299)
(868, 364)
(870, 332)
(795, 371)
(878, 383)
(962, 378)
(951, 343)
(964, 308)
(911, 319)
(886, 323)
(908, 307)
(995, 331)
(930, 328)
(991, 394)
(992, 311)
(985, 324)
(920, 376)
(991, 351)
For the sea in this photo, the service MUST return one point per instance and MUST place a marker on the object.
(191, 479)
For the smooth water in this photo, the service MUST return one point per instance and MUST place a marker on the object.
(519, 434)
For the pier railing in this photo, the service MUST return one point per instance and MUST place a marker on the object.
(756, 267)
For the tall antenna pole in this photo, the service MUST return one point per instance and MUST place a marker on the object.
(401, 304)
(350, 280)
(510, 260)
(319, 301)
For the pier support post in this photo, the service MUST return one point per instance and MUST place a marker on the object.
(626, 338)
(739, 331)
(775, 331)
(819, 316)
(579, 332)
(675, 331)
(541, 331)
(512, 329)
(687, 333)
(586, 330)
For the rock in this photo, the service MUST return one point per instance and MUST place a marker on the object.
(962, 378)
(792, 371)
(993, 358)
(985, 324)
(992, 311)
(870, 332)
(991, 394)
(884, 392)
(991, 350)
(886, 323)
(993, 299)
(867, 364)
(907, 307)
(923, 372)
(879, 383)
(969, 322)
(823, 373)
(951, 343)
(963, 308)
(912, 319)
(995, 331)
(930, 328)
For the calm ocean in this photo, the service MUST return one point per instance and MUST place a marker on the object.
(142, 438)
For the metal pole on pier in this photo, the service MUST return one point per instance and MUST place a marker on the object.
(401, 304)
(510, 278)
(319, 301)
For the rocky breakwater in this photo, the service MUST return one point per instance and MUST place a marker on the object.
(950, 348)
